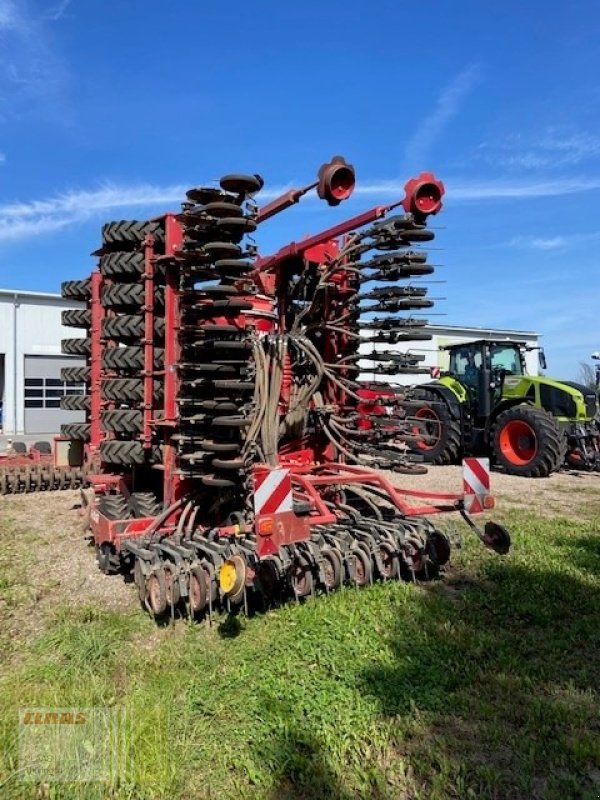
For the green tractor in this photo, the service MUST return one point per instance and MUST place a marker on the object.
(486, 404)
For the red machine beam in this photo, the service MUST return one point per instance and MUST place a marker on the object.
(299, 248)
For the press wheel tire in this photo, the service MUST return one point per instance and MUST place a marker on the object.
(76, 347)
(75, 402)
(129, 358)
(76, 430)
(75, 374)
(128, 390)
(130, 233)
(528, 441)
(125, 295)
(76, 290)
(445, 444)
(127, 453)
(76, 318)
(127, 326)
(122, 421)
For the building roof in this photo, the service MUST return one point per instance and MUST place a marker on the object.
(21, 293)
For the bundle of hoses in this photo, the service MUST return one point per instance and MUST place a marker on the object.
(374, 263)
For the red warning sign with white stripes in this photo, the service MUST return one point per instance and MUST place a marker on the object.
(272, 491)
(276, 522)
(476, 483)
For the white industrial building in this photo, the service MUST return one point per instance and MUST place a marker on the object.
(31, 358)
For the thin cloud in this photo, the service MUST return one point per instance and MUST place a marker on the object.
(553, 242)
(447, 106)
(550, 149)
(33, 80)
(56, 12)
(2, 158)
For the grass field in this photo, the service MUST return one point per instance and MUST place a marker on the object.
(484, 685)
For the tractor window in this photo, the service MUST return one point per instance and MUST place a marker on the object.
(465, 363)
(506, 357)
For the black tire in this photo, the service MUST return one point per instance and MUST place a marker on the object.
(446, 448)
(528, 441)
(76, 318)
(130, 233)
(144, 504)
(76, 430)
(128, 453)
(114, 506)
(129, 358)
(75, 374)
(128, 390)
(129, 326)
(75, 402)
(43, 447)
(76, 290)
(125, 295)
(76, 347)
(122, 421)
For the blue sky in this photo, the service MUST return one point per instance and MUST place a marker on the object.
(109, 110)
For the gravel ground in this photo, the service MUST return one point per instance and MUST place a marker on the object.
(40, 535)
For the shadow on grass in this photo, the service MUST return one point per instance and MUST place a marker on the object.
(486, 692)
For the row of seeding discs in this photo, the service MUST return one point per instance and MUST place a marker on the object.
(216, 369)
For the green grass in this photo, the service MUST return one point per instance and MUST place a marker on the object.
(481, 686)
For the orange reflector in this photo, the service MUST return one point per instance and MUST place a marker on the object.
(265, 527)
(489, 502)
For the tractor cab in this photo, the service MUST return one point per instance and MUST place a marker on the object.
(481, 367)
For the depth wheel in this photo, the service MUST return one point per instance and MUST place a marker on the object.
(332, 569)
(197, 584)
(156, 592)
(362, 568)
(301, 579)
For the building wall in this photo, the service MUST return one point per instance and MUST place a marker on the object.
(434, 357)
(29, 325)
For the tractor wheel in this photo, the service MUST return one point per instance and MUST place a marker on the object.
(441, 442)
(527, 441)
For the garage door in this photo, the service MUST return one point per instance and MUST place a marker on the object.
(43, 390)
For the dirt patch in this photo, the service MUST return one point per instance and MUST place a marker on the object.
(48, 563)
